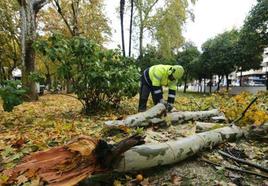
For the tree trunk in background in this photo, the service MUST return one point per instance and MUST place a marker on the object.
(122, 7)
(200, 84)
(219, 81)
(28, 34)
(141, 41)
(185, 83)
(210, 85)
(28, 11)
(227, 82)
(204, 85)
(240, 79)
(130, 27)
(266, 80)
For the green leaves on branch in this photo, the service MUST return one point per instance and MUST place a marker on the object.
(11, 94)
(99, 76)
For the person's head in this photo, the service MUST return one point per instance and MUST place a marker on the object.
(175, 72)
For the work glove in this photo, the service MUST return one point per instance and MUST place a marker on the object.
(169, 107)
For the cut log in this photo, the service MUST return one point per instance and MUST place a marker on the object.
(181, 117)
(204, 126)
(157, 116)
(151, 116)
(219, 119)
(151, 155)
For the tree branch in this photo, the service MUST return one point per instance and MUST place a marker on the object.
(75, 15)
(59, 10)
(235, 169)
(243, 113)
(21, 2)
(38, 4)
(243, 161)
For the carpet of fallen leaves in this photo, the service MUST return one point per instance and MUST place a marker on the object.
(55, 119)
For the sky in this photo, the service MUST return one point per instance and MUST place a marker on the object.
(212, 17)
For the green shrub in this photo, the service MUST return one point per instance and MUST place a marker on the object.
(11, 94)
(99, 76)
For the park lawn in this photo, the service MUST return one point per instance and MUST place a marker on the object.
(55, 119)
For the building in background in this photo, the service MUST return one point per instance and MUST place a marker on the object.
(256, 77)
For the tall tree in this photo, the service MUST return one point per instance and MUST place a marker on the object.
(169, 26)
(187, 58)
(122, 8)
(144, 9)
(9, 39)
(220, 53)
(28, 12)
(77, 17)
(130, 26)
(163, 19)
(253, 38)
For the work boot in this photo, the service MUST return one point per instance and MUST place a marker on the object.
(142, 105)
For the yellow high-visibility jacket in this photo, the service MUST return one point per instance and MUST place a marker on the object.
(159, 76)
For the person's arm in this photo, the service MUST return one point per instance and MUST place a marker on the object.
(171, 95)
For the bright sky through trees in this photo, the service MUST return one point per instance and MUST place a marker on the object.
(212, 17)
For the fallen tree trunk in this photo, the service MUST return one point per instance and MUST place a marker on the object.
(84, 156)
(68, 164)
(181, 117)
(204, 126)
(151, 116)
(151, 155)
(157, 115)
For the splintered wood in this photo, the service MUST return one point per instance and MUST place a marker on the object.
(64, 165)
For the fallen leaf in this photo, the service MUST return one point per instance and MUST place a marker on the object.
(117, 183)
(176, 180)
(35, 182)
(145, 182)
(21, 179)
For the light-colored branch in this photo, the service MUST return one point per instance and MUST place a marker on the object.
(151, 116)
(155, 116)
(151, 155)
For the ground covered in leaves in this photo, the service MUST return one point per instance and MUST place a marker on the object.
(55, 119)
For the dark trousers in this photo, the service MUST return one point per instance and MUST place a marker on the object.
(145, 90)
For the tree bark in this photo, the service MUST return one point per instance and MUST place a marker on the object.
(240, 79)
(200, 84)
(204, 126)
(227, 82)
(151, 116)
(219, 81)
(181, 117)
(130, 27)
(122, 7)
(28, 11)
(141, 41)
(152, 155)
(204, 85)
(185, 83)
(156, 116)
